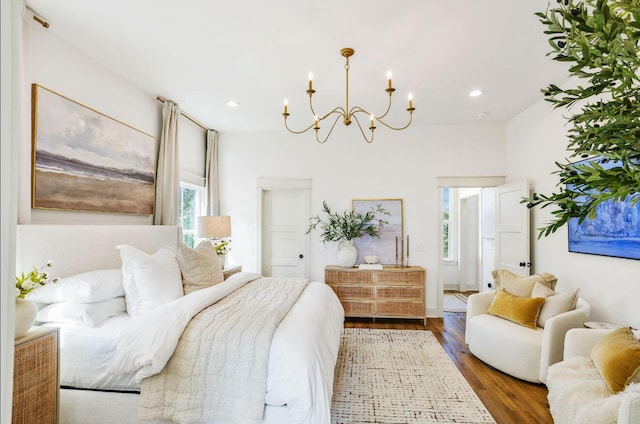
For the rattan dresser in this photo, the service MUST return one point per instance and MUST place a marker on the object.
(35, 377)
(387, 293)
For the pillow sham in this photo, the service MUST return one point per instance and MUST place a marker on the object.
(88, 314)
(200, 267)
(87, 287)
(149, 280)
(521, 310)
(554, 303)
(519, 285)
(617, 358)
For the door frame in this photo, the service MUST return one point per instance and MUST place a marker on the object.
(274, 184)
(457, 182)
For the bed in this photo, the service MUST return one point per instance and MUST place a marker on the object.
(301, 355)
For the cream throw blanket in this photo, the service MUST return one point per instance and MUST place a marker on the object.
(219, 367)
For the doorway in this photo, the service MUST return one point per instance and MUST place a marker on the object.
(466, 223)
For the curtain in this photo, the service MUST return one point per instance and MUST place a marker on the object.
(211, 173)
(168, 173)
(24, 126)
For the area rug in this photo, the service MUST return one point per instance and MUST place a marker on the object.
(455, 302)
(400, 376)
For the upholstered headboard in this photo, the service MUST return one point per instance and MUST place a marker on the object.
(80, 248)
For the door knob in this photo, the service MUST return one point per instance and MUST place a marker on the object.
(301, 256)
(522, 264)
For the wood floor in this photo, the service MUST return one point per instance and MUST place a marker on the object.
(508, 399)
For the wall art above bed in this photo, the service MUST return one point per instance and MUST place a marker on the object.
(84, 160)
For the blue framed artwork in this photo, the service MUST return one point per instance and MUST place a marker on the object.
(615, 231)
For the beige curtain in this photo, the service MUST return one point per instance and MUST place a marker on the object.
(211, 173)
(168, 173)
(24, 128)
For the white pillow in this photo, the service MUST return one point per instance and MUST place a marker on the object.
(89, 314)
(555, 303)
(149, 280)
(200, 266)
(92, 286)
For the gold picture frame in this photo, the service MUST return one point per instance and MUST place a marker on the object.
(83, 160)
(384, 246)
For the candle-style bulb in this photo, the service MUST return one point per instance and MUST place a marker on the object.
(286, 103)
(389, 78)
(410, 100)
(310, 81)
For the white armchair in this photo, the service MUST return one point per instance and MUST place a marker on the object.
(577, 392)
(514, 349)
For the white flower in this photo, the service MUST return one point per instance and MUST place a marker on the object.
(29, 285)
(17, 292)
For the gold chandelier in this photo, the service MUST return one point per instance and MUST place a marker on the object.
(345, 113)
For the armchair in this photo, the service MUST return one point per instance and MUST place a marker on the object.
(516, 350)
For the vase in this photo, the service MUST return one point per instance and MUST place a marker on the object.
(26, 312)
(223, 260)
(347, 254)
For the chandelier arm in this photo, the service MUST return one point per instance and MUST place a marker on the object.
(335, 121)
(362, 131)
(294, 131)
(339, 110)
(398, 128)
(388, 107)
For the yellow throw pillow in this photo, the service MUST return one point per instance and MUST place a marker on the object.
(617, 358)
(521, 310)
(521, 286)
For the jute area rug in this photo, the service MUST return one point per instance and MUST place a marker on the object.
(400, 377)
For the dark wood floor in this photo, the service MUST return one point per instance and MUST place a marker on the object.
(508, 399)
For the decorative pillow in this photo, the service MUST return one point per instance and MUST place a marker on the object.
(149, 280)
(89, 314)
(521, 310)
(554, 303)
(88, 287)
(521, 286)
(200, 266)
(617, 358)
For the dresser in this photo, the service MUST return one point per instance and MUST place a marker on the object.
(35, 377)
(386, 293)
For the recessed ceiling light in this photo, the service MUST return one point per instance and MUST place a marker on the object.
(233, 103)
(475, 93)
(482, 114)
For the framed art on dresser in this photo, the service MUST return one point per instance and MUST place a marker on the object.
(84, 160)
(391, 232)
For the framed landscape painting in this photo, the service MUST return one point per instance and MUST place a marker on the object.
(84, 160)
(384, 246)
(615, 230)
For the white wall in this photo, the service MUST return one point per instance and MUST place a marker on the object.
(60, 67)
(535, 140)
(401, 164)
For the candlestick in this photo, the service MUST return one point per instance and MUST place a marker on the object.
(402, 252)
(407, 246)
(396, 251)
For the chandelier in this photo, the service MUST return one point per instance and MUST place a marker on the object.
(348, 115)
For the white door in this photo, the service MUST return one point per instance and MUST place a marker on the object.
(285, 218)
(469, 243)
(512, 228)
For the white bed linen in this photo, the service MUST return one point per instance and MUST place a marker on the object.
(301, 363)
(85, 353)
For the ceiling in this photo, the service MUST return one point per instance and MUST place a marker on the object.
(201, 53)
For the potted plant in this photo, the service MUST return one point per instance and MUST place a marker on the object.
(346, 226)
(26, 310)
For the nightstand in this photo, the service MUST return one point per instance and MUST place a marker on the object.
(35, 377)
(229, 271)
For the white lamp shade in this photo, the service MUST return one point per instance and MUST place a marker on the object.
(213, 226)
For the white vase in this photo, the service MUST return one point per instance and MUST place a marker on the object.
(347, 254)
(26, 312)
(222, 259)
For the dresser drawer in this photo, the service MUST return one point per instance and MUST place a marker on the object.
(401, 278)
(353, 291)
(342, 277)
(399, 309)
(355, 308)
(400, 292)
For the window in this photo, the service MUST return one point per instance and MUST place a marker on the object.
(192, 204)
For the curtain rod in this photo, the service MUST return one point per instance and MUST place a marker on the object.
(160, 99)
(37, 18)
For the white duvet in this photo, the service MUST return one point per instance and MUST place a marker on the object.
(302, 357)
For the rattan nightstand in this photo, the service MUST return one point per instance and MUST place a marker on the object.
(35, 377)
